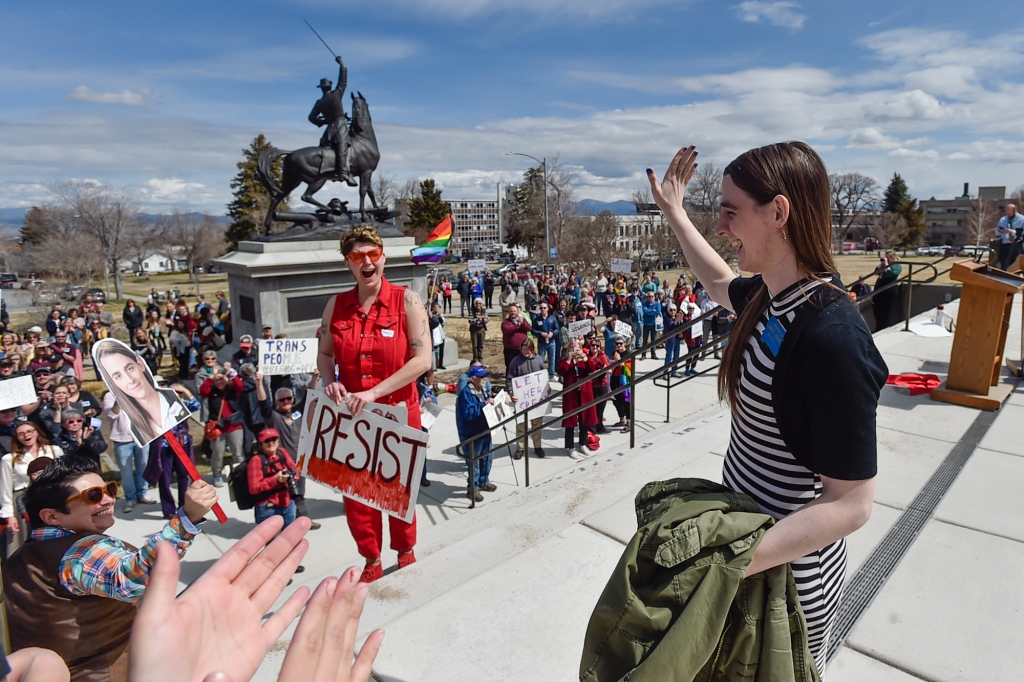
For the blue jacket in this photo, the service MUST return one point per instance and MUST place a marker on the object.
(651, 311)
(470, 419)
(548, 324)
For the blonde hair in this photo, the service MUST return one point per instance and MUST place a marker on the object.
(359, 233)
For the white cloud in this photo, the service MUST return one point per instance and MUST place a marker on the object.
(777, 13)
(914, 154)
(173, 191)
(872, 138)
(134, 98)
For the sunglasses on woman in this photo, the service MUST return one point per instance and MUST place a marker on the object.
(95, 495)
(358, 257)
(73, 421)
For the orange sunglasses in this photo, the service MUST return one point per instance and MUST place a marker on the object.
(95, 495)
(358, 257)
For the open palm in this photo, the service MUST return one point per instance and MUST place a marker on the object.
(216, 624)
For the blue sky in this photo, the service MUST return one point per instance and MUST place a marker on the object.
(160, 98)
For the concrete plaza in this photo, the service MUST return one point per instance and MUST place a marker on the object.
(505, 591)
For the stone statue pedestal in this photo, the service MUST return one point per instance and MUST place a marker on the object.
(286, 284)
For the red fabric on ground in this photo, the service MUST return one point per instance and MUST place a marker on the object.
(917, 383)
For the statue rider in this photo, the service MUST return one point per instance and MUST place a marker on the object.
(329, 110)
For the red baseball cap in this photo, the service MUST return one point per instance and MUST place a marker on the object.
(267, 434)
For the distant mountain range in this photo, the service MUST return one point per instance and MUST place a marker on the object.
(595, 206)
(11, 219)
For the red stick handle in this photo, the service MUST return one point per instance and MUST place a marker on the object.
(192, 471)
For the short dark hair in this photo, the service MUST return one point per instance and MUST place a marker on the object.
(54, 486)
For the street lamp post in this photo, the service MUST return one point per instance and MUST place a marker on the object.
(544, 178)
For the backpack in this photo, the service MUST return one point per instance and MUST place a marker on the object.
(238, 483)
(593, 442)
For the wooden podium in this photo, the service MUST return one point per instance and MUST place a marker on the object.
(978, 346)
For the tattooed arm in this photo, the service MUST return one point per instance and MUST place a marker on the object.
(418, 332)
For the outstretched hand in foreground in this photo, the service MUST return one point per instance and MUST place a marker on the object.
(214, 632)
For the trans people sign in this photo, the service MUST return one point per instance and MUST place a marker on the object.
(372, 458)
(287, 356)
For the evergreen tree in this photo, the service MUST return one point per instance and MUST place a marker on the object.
(426, 211)
(526, 221)
(251, 201)
(900, 202)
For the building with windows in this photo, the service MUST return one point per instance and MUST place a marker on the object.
(478, 227)
(955, 221)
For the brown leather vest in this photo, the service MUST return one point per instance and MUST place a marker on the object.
(89, 633)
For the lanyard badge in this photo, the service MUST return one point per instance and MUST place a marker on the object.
(773, 334)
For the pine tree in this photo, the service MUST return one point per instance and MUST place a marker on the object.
(251, 198)
(426, 211)
(526, 223)
(900, 202)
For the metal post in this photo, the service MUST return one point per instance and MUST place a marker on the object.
(632, 401)
(472, 475)
(910, 289)
(547, 232)
(668, 392)
(526, 445)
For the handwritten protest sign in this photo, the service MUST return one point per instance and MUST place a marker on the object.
(581, 328)
(622, 265)
(529, 390)
(500, 411)
(287, 356)
(369, 458)
(16, 392)
(476, 265)
(623, 329)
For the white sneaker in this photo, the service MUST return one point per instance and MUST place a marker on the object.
(575, 454)
(582, 451)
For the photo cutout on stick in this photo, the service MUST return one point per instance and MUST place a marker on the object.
(151, 410)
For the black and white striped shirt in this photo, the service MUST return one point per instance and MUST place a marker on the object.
(759, 464)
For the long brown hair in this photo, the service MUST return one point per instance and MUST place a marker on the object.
(795, 171)
(138, 417)
(18, 450)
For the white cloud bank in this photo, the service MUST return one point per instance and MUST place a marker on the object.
(782, 14)
(133, 98)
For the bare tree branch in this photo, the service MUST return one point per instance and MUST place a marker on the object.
(852, 194)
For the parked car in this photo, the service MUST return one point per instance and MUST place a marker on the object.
(8, 277)
(505, 268)
(37, 283)
(97, 294)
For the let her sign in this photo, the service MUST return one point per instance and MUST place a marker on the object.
(530, 389)
(370, 458)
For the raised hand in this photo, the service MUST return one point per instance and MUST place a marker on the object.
(669, 194)
(216, 625)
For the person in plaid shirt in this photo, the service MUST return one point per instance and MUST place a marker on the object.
(74, 589)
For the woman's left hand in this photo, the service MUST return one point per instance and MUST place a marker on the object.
(357, 401)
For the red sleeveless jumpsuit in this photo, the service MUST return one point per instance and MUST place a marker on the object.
(369, 347)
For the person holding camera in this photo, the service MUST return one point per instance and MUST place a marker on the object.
(273, 479)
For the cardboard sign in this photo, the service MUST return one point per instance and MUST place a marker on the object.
(580, 328)
(623, 329)
(476, 265)
(152, 411)
(622, 265)
(501, 410)
(17, 392)
(370, 458)
(287, 356)
(529, 390)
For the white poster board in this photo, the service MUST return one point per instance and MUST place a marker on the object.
(530, 389)
(501, 410)
(622, 265)
(580, 328)
(370, 458)
(476, 265)
(287, 356)
(623, 328)
(17, 392)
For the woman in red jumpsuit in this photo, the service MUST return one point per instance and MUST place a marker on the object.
(574, 369)
(378, 336)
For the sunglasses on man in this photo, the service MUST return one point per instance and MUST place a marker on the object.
(374, 255)
(95, 495)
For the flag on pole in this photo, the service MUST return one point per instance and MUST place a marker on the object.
(436, 246)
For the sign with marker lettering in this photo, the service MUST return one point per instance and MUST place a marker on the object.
(287, 356)
(371, 458)
(581, 328)
(622, 265)
(476, 265)
(17, 392)
(623, 329)
(529, 390)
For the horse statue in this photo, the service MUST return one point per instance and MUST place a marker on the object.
(316, 165)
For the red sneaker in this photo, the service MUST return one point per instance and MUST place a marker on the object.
(372, 572)
(406, 558)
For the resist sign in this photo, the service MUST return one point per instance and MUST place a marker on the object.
(287, 356)
(370, 458)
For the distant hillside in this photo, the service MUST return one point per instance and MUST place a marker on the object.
(595, 206)
(11, 219)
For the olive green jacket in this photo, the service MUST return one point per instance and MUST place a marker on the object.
(677, 607)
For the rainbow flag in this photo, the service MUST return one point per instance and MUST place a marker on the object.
(436, 246)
